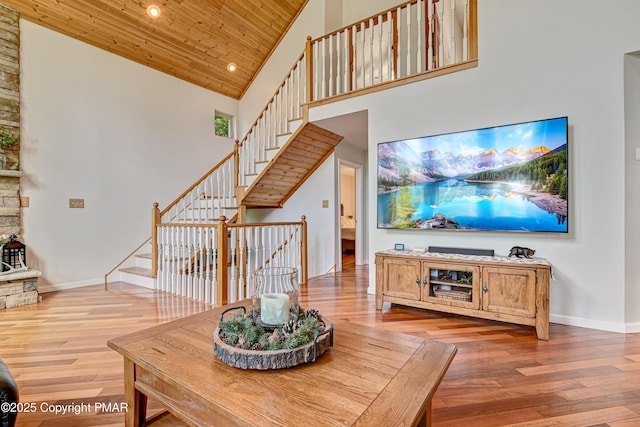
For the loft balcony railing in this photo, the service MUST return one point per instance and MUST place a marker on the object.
(416, 40)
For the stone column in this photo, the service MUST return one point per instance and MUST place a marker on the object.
(10, 218)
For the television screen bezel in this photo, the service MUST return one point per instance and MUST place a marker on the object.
(492, 230)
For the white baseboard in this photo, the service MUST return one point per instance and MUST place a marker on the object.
(588, 323)
(633, 328)
(43, 289)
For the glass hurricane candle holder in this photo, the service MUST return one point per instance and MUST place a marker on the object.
(276, 297)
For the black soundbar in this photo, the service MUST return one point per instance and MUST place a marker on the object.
(461, 251)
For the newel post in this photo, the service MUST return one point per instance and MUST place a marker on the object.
(309, 57)
(221, 262)
(472, 30)
(304, 253)
(155, 220)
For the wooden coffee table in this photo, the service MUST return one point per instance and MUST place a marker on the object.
(370, 377)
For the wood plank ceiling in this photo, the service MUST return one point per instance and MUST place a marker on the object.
(193, 40)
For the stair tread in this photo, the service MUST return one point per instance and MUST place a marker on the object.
(140, 271)
(146, 256)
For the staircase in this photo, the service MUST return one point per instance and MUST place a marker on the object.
(140, 273)
(281, 150)
(274, 181)
(305, 151)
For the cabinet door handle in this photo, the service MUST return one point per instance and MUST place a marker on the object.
(418, 280)
(424, 281)
(484, 288)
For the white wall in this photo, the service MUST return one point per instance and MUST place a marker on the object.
(112, 132)
(353, 156)
(321, 221)
(279, 64)
(632, 188)
(527, 71)
(348, 191)
(355, 10)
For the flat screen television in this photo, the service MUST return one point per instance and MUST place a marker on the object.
(502, 178)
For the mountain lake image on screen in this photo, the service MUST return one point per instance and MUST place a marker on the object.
(503, 178)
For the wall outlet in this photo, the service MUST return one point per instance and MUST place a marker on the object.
(24, 201)
(76, 203)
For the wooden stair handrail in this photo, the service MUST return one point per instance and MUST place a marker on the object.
(271, 100)
(202, 178)
(123, 261)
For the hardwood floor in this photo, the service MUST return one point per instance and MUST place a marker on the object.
(502, 374)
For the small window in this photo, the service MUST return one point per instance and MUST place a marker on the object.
(224, 125)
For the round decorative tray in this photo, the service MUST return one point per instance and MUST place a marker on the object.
(272, 359)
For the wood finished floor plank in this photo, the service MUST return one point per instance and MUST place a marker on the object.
(570, 366)
(502, 374)
(586, 418)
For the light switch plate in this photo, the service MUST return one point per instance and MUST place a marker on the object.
(76, 203)
(24, 201)
(325, 203)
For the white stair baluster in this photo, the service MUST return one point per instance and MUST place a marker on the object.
(380, 58)
(354, 44)
(363, 64)
(408, 72)
(345, 69)
(465, 31)
(371, 59)
(338, 63)
(330, 42)
(323, 68)
(419, 7)
(453, 31)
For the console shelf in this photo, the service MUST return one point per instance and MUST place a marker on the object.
(514, 290)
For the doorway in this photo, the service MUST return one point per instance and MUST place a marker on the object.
(350, 214)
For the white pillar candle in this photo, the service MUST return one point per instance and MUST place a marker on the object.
(274, 308)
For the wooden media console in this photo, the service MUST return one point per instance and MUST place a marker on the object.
(514, 290)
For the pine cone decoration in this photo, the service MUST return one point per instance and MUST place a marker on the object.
(257, 346)
(312, 312)
(289, 327)
(275, 336)
(241, 340)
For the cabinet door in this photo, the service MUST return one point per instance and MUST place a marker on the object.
(402, 278)
(452, 284)
(509, 291)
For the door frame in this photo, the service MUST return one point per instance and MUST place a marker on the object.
(359, 216)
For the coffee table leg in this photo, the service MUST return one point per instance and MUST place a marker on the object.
(425, 418)
(136, 401)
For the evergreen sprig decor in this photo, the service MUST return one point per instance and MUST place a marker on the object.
(7, 138)
(246, 331)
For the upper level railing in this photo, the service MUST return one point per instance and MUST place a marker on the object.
(414, 38)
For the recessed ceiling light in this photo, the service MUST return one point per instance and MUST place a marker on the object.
(153, 11)
(231, 67)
